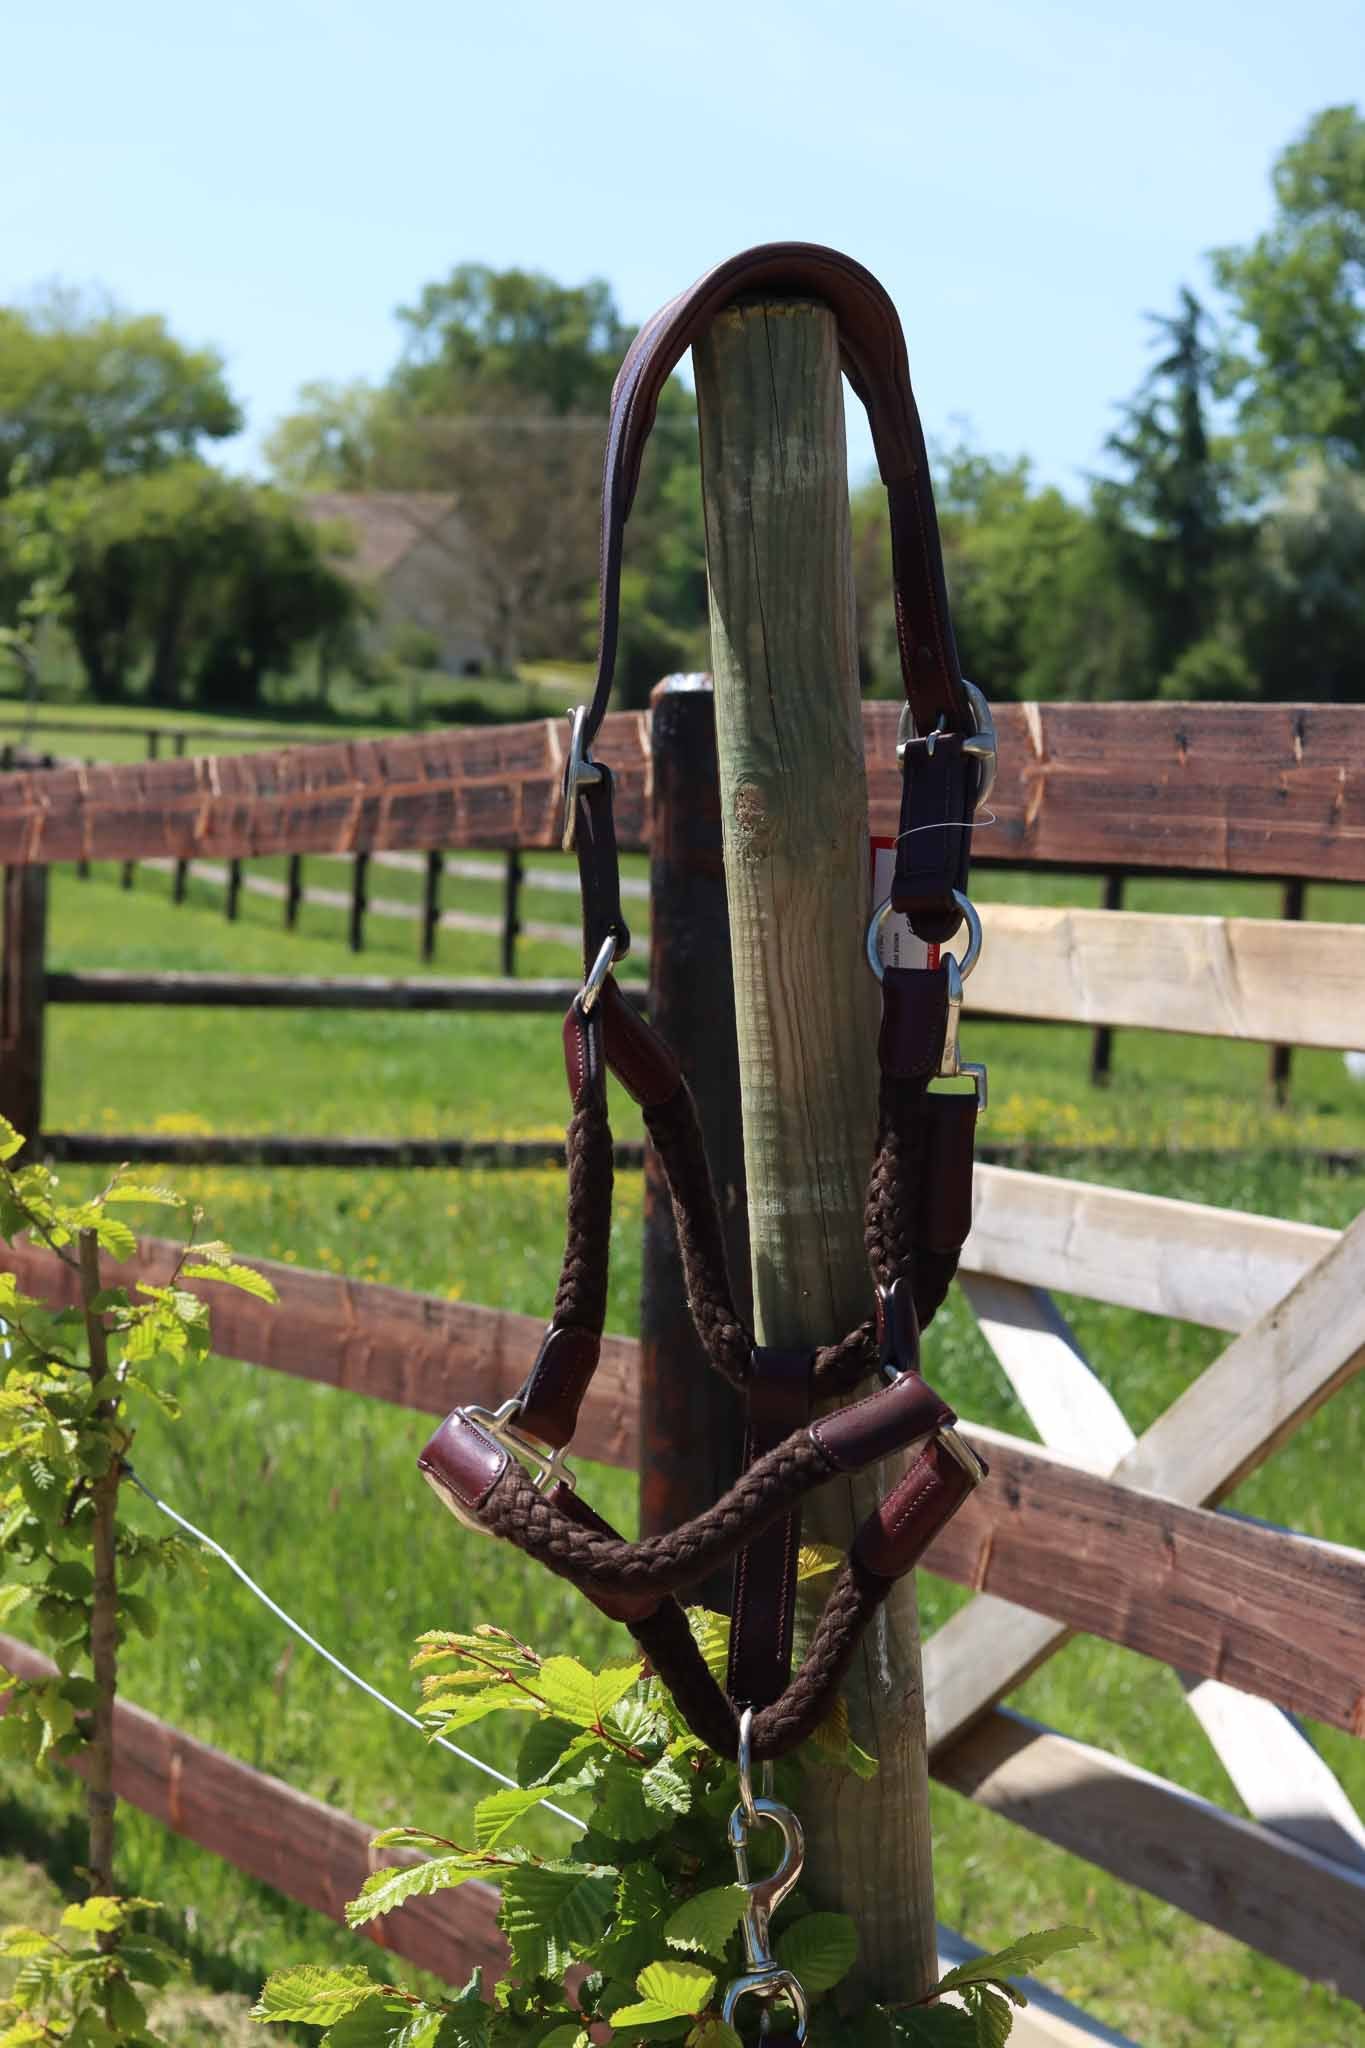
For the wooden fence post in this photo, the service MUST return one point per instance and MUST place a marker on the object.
(293, 891)
(1282, 1056)
(180, 881)
(431, 902)
(1102, 1040)
(23, 973)
(153, 743)
(233, 896)
(794, 813)
(126, 874)
(360, 872)
(179, 746)
(511, 921)
(691, 1431)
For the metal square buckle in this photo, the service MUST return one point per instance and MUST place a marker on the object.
(579, 771)
(545, 1465)
(960, 1450)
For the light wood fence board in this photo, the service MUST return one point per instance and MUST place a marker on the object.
(1219, 1267)
(1275, 1895)
(1268, 1612)
(1235, 1415)
(1219, 977)
(1270, 1759)
(307, 1851)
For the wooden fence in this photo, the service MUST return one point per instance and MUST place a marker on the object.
(1093, 1529)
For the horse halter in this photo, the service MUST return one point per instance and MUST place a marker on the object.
(503, 1473)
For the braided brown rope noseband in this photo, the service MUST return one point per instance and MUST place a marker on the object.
(918, 1208)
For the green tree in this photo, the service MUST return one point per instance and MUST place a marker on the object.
(516, 332)
(90, 389)
(1306, 605)
(1297, 361)
(1169, 516)
(198, 581)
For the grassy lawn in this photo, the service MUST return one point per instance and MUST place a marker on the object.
(315, 1490)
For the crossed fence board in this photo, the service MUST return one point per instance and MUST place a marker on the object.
(1255, 790)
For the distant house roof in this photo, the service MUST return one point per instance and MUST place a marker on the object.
(387, 525)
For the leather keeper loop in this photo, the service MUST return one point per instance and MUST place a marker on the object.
(945, 1192)
(778, 1391)
(462, 1463)
(641, 1062)
(898, 1326)
(599, 868)
(557, 1382)
(914, 1022)
(934, 836)
(881, 1423)
(896, 1535)
(583, 1063)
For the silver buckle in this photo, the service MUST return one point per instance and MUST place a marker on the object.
(597, 974)
(579, 771)
(962, 1451)
(547, 1467)
(979, 744)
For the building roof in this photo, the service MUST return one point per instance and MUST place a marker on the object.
(386, 525)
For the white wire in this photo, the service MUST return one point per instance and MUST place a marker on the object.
(352, 1677)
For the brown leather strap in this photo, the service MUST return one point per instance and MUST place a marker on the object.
(763, 1602)
(940, 787)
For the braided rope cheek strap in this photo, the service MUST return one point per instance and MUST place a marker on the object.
(918, 1208)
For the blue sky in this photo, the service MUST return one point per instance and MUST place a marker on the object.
(1027, 179)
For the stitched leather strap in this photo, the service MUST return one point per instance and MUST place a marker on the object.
(940, 782)
(764, 1598)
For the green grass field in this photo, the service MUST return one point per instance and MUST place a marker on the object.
(316, 1490)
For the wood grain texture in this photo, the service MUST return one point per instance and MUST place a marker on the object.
(1275, 1895)
(1235, 1415)
(1270, 1759)
(1219, 1267)
(794, 812)
(412, 1349)
(1218, 977)
(1254, 789)
(1268, 1612)
(307, 1851)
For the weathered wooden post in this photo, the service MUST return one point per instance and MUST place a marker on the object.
(794, 811)
(23, 978)
(431, 903)
(360, 875)
(293, 891)
(1102, 1039)
(511, 911)
(180, 881)
(1282, 1056)
(691, 1431)
(233, 897)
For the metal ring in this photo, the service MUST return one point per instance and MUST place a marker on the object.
(601, 968)
(767, 1985)
(745, 1764)
(964, 965)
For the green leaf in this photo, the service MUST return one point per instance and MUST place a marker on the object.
(100, 1915)
(309, 1992)
(620, 1809)
(24, 1941)
(712, 2032)
(993, 2015)
(244, 1277)
(668, 1991)
(666, 1789)
(643, 1901)
(819, 1950)
(12, 1598)
(707, 1921)
(10, 1140)
(570, 2035)
(582, 1696)
(548, 1906)
(72, 1579)
(499, 1813)
(386, 2023)
(547, 1744)
(141, 1612)
(126, 2011)
(385, 1889)
(115, 1237)
(1018, 1959)
(138, 1191)
(815, 1559)
(935, 2026)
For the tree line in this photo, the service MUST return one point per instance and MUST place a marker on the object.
(1218, 552)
